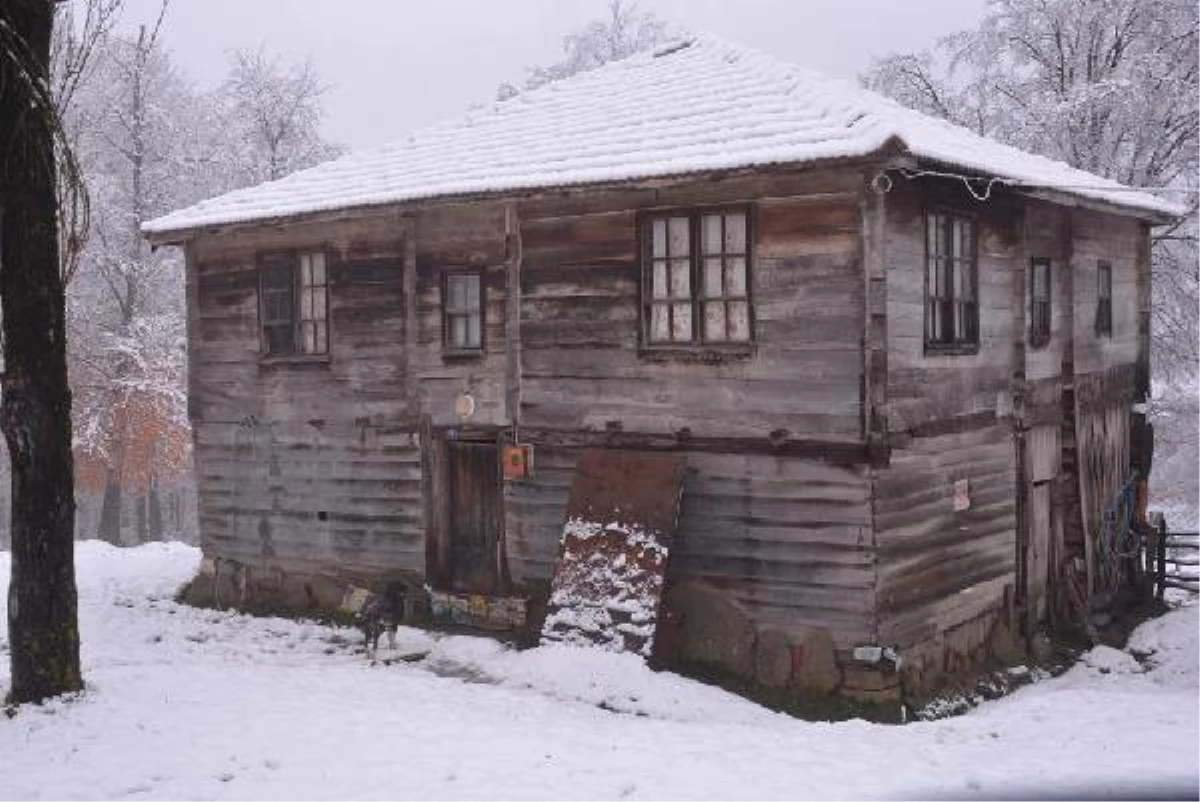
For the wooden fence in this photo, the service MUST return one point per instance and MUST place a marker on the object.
(1172, 559)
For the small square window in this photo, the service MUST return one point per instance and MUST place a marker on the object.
(462, 310)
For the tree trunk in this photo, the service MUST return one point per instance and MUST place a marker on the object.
(141, 503)
(35, 413)
(155, 528)
(109, 528)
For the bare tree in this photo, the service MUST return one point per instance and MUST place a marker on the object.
(35, 413)
(274, 113)
(1109, 86)
(623, 32)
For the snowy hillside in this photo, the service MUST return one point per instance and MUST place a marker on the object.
(186, 703)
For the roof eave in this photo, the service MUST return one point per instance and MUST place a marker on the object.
(181, 236)
(1155, 217)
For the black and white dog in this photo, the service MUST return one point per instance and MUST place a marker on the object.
(379, 614)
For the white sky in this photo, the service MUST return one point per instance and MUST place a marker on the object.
(397, 65)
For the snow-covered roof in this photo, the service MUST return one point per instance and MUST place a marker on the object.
(702, 104)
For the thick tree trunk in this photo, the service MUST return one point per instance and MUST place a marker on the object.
(35, 413)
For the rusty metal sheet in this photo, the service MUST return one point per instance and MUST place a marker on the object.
(608, 579)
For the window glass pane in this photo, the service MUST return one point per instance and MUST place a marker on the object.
(308, 338)
(660, 330)
(458, 331)
(735, 233)
(931, 246)
(279, 339)
(963, 285)
(681, 278)
(714, 321)
(735, 277)
(472, 283)
(320, 305)
(659, 282)
(1041, 280)
(473, 334)
(659, 237)
(933, 327)
(711, 225)
(277, 306)
(739, 321)
(712, 278)
(681, 329)
(680, 236)
(305, 270)
(961, 242)
(322, 336)
(277, 276)
(306, 304)
(318, 268)
(456, 290)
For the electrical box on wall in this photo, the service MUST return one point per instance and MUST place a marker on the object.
(517, 461)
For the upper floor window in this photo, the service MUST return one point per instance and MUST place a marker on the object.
(1104, 313)
(294, 303)
(696, 278)
(1039, 302)
(951, 308)
(462, 311)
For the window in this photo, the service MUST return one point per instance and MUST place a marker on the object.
(294, 294)
(1039, 302)
(951, 310)
(462, 309)
(1104, 322)
(696, 278)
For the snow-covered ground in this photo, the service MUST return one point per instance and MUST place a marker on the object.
(185, 703)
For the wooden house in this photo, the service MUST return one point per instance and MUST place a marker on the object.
(899, 361)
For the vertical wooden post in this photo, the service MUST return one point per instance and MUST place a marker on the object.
(512, 320)
(1161, 557)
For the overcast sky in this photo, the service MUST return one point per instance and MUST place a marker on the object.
(396, 65)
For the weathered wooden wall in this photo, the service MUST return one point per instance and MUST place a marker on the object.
(792, 503)
(949, 420)
(314, 465)
(764, 516)
(1026, 426)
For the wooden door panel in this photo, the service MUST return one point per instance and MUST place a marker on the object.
(475, 517)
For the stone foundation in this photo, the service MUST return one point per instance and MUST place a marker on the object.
(702, 633)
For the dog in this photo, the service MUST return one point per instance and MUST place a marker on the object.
(380, 614)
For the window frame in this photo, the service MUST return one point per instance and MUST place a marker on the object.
(970, 344)
(1041, 310)
(448, 348)
(293, 258)
(696, 299)
(1103, 323)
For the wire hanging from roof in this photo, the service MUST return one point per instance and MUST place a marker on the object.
(980, 186)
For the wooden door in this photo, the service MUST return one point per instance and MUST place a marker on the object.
(474, 518)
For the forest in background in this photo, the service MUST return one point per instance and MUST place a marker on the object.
(145, 140)
(1106, 85)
